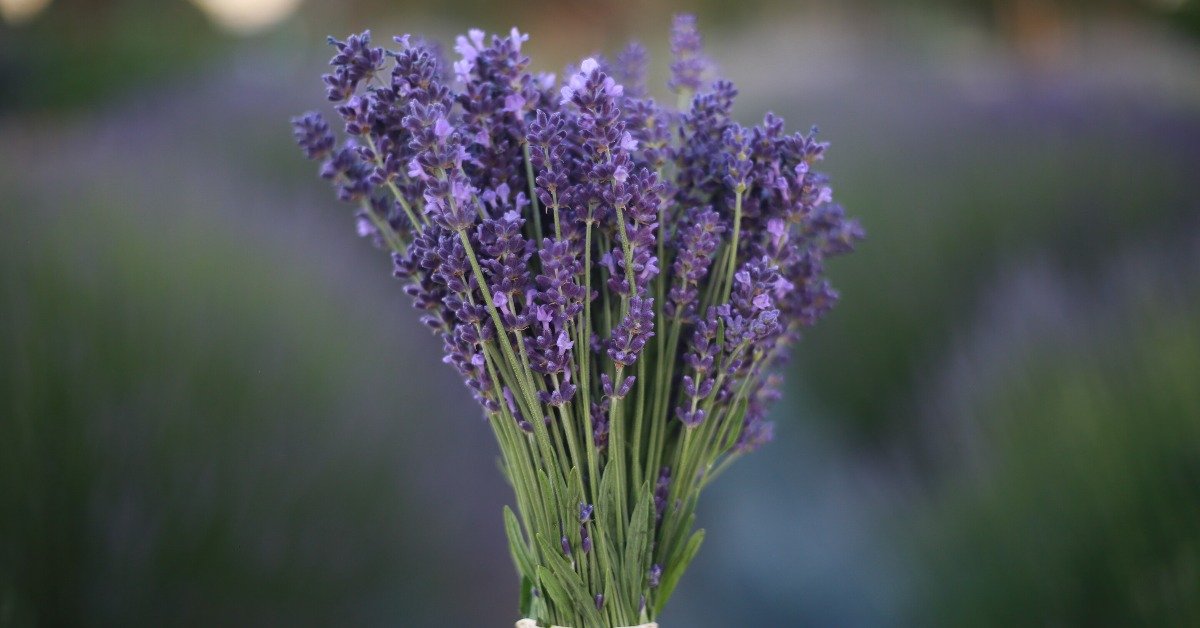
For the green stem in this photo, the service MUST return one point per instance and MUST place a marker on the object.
(533, 200)
(584, 351)
(635, 451)
(616, 455)
(737, 232)
(412, 217)
(389, 235)
(525, 382)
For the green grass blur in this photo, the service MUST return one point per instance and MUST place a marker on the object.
(1079, 502)
(161, 392)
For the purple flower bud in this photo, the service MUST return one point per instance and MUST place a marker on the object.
(585, 540)
(514, 103)
(442, 128)
(355, 61)
(631, 335)
(564, 342)
(698, 242)
(313, 135)
(662, 491)
(690, 418)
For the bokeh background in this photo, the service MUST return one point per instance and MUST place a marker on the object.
(217, 408)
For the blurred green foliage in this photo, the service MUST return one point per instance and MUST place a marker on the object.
(76, 53)
(1084, 505)
(944, 217)
(178, 433)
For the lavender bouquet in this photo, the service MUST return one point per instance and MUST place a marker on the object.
(617, 282)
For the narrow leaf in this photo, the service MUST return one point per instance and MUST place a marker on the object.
(573, 593)
(607, 509)
(614, 599)
(517, 545)
(527, 596)
(637, 545)
(675, 571)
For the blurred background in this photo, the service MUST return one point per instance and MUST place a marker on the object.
(217, 407)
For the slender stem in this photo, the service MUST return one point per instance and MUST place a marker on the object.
(389, 235)
(557, 223)
(412, 217)
(628, 250)
(524, 382)
(616, 456)
(584, 350)
(733, 247)
(568, 422)
(663, 360)
(662, 414)
(635, 451)
(533, 199)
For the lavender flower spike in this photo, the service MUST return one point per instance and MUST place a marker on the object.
(689, 64)
(617, 283)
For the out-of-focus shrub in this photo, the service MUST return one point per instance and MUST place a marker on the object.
(186, 434)
(1068, 484)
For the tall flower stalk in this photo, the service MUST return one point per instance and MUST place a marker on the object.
(617, 282)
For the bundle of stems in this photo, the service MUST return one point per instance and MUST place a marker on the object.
(616, 281)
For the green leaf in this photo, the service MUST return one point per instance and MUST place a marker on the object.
(552, 590)
(735, 419)
(607, 509)
(637, 544)
(675, 571)
(526, 596)
(614, 599)
(548, 493)
(517, 545)
(574, 490)
(571, 591)
(568, 505)
(505, 471)
(679, 546)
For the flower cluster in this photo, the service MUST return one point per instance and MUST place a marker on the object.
(617, 281)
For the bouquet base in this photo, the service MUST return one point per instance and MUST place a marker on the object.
(530, 623)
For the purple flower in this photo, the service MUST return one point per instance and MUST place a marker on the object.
(600, 426)
(630, 70)
(585, 540)
(662, 491)
(697, 244)
(313, 135)
(566, 242)
(630, 336)
(688, 64)
(619, 391)
(355, 61)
